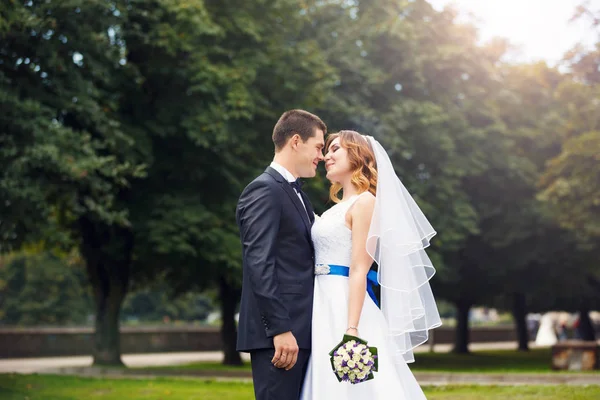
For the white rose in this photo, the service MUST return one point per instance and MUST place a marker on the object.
(351, 364)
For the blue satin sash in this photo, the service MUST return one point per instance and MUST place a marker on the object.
(371, 279)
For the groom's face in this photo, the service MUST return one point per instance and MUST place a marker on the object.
(309, 154)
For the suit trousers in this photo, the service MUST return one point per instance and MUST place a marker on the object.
(272, 383)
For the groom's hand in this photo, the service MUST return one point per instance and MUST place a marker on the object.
(286, 350)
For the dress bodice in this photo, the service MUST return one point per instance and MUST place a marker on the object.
(331, 237)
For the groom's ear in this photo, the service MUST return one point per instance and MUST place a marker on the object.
(295, 140)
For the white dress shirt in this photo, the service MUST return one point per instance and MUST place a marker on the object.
(289, 177)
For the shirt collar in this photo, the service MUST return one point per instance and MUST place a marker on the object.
(284, 172)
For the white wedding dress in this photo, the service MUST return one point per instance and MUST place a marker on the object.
(333, 245)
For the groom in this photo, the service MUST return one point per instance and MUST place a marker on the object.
(275, 217)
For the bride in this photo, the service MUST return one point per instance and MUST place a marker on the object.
(376, 219)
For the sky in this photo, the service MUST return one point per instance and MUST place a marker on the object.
(539, 28)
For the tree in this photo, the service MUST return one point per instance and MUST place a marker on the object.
(130, 127)
(416, 80)
(188, 234)
(162, 87)
(528, 113)
(568, 184)
(151, 304)
(66, 158)
(43, 288)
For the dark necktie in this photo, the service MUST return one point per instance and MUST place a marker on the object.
(297, 184)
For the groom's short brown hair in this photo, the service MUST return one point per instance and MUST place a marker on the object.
(294, 122)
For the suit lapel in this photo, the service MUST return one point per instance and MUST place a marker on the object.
(293, 196)
(296, 200)
(309, 209)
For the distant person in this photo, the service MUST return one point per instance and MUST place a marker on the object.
(562, 331)
(577, 329)
(546, 335)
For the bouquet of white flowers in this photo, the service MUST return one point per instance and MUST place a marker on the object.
(353, 361)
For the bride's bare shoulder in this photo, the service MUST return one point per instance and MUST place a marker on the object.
(364, 203)
(365, 199)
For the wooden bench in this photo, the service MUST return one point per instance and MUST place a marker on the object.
(576, 355)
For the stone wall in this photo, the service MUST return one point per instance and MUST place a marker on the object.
(49, 342)
(52, 342)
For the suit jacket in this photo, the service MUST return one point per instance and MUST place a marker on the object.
(278, 263)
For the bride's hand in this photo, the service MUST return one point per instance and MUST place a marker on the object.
(352, 331)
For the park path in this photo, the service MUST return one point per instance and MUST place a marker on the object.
(81, 366)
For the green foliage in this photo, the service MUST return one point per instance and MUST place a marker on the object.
(211, 141)
(130, 127)
(154, 305)
(571, 184)
(63, 151)
(42, 288)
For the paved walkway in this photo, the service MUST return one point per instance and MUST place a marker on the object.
(81, 366)
(31, 365)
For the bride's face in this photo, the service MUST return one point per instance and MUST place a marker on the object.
(337, 163)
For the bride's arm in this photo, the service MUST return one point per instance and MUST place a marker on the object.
(360, 220)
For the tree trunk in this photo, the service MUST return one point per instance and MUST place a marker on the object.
(586, 328)
(461, 342)
(107, 344)
(229, 296)
(431, 341)
(520, 315)
(107, 253)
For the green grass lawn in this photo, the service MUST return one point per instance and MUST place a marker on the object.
(537, 360)
(49, 387)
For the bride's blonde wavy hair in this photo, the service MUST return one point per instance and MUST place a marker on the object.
(362, 163)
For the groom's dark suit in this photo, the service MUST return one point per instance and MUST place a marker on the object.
(278, 279)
